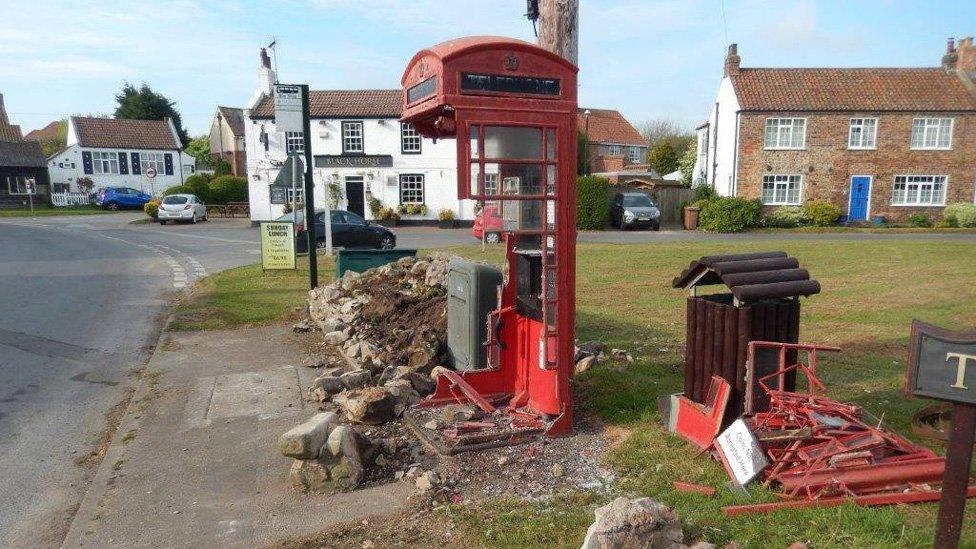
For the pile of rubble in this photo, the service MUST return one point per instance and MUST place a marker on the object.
(389, 325)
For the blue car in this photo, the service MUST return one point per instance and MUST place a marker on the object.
(118, 198)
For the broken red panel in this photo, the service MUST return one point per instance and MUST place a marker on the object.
(874, 475)
(690, 487)
(701, 424)
(864, 501)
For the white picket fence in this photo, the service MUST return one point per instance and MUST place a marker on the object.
(62, 200)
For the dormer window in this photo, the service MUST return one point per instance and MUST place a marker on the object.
(786, 133)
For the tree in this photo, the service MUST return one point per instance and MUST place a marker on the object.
(144, 104)
(665, 129)
(663, 158)
(56, 142)
(687, 165)
(582, 162)
(199, 148)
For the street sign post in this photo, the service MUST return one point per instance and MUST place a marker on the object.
(288, 102)
(31, 189)
(942, 365)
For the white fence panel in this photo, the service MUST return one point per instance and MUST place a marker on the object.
(63, 200)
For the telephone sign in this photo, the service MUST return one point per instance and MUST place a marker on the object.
(942, 364)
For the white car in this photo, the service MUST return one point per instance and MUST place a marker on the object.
(182, 207)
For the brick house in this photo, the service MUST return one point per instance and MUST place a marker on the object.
(874, 141)
(614, 148)
(227, 139)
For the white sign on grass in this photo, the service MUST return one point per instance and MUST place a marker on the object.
(744, 459)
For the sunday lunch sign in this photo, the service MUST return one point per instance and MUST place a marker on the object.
(277, 245)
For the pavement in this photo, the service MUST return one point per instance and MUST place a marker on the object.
(193, 464)
(83, 301)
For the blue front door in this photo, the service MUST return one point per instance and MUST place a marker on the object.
(860, 194)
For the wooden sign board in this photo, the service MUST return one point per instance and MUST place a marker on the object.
(942, 364)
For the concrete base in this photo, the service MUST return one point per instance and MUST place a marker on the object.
(194, 462)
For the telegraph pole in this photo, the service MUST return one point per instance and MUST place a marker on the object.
(310, 228)
(559, 28)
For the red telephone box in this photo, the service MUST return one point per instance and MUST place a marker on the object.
(511, 106)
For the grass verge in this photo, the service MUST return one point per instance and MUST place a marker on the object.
(871, 291)
(46, 211)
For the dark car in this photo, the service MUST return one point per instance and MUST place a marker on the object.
(349, 230)
(118, 198)
(634, 210)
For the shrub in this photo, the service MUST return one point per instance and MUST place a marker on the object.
(729, 215)
(445, 214)
(179, 189)
(199, 184)
(592, 208)
(821, 213)
(152, 208)
(704, 192)
(787, 217)
(375, 207)
(963, 213)
(226, 189)
(919, 220)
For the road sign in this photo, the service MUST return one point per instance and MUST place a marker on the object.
(277, 245)
(288, 108)
(31, 186)
(942, 365)
(151, 173)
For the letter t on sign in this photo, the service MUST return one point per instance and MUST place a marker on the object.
(960, 369)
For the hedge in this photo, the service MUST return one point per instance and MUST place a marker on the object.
(960, 214)
(821, 213)
(200, 186)
(228, 188)
(729, 215)
(179, 189)
(592, 208)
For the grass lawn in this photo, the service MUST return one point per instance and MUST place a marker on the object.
(45, 211)
(871, 291)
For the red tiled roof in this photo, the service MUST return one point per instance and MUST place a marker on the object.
(609, 126)
(343, 104)
(897, 89)
(115, 133)
(8, 131)
(234, 118)
(47, 133)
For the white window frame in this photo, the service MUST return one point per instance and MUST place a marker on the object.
(152, 160)
(352, 137)
(614, 150)
(410, 139)
(297, 191)
(294, 142)
(20, 181)
(863, 144)
(635, 155)
(907, 181)
(413, 190)
(784, 181)
(927, 125)
(784, 126)
(491, 183)
(101, 160)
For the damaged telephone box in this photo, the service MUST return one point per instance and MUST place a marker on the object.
(511, 108)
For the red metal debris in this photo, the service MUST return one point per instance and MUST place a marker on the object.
(888, 498)
(690, 487)
(700, 424)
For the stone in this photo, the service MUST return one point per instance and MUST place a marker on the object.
(558, 470)
(421, 360)
(427, 481)
(354, 350)
(304, 440)
(421, 383)
(335, 337)
(356, 379)
(371, 405)
(592, 348)
(641, 522)
(302, 327)
(404, 394)
(380, 460)
(798, 545)
(346, 475)
(326, 385)
(310, 475)
(504, 460)
(459, 412)
(584, 364)
(620, 355)
(342, 442)
(314, 362)
(433, 425)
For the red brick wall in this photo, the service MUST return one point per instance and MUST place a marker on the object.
(827, 165)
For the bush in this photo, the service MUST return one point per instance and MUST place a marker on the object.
(445, 214)
(375, 207)
(226, 189)
(919, 220)
(199, 184)
(786, 217)
(962, 213)
(821, 213)
(704, 192)
(592, 208)
(179, 189)
(729, 215)
(152, 208)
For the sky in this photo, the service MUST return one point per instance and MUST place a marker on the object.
(650, 59)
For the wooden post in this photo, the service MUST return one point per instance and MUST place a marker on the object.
(559, 28)
(955, 481)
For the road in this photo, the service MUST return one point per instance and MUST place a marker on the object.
(81, 306)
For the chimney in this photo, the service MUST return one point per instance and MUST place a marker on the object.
(966, 53)
(951, 57)
(3, 112)
(266, 75)
(732, 61)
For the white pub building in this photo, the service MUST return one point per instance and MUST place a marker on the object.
(359, 148)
